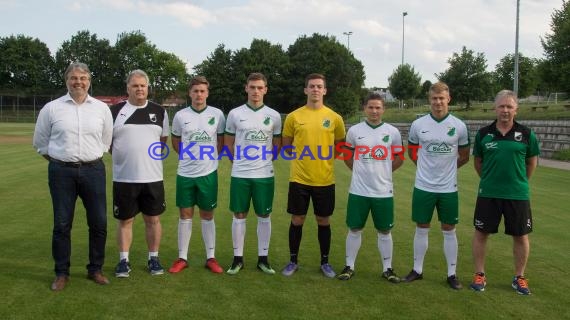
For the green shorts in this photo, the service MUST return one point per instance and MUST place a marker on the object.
(258, 190)
(423, 204)
(201, 191)
(358, 207)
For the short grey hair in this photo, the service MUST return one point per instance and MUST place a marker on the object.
(76, 65)
(506, 94)
(137, 73)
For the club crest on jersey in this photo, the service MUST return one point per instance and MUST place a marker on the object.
(266, 121)
(451, 131)
(212, 121)
(518, 136)
(326, 123)
(386, 138)
(152, 117)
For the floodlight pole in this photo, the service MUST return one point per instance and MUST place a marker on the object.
(347, 34)
(516, 71)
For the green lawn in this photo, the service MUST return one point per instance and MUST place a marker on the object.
(26, 263)
(476, 112)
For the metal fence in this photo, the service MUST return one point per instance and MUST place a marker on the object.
(22, 108)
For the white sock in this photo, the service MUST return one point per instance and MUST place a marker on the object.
(420, 248)
(263, 235)
(152, 254)
(184, 234)
(450, 251)
(124, 256)
(353, 242)
(238, 236)
(385, 246)
(209, 236)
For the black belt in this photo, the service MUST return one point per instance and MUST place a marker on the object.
(76, 164)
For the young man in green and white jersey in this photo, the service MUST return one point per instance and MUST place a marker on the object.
(443, 142)
(375, 152)
(253, 137)
(197, 136)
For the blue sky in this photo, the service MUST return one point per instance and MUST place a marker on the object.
(193, 29)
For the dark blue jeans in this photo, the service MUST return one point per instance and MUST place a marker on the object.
(65, 185)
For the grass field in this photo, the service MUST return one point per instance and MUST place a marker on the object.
(26, 263)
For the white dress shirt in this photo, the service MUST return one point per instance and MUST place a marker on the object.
(73, 132)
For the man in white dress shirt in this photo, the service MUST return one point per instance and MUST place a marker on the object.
(72, 132)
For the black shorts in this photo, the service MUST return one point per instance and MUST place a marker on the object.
(300, 194)
(517, 213)
(132, 198)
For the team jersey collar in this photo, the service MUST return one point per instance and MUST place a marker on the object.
(198, 111)
(498, 133)
(374, 126)
(254, 109)
(439, 120)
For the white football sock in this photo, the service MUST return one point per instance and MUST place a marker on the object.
(238, 235)
(353, 242)
(420, 248)
(209, 236)
(184, 234)
(263, 235)
(450, 251)
(385, 246)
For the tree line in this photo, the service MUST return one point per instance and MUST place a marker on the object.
(28, 67)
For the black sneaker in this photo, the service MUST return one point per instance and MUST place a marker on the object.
(123, 269)
(346, 273)
(154, 266)
(454, 282)
(413, 275)
(391, 276)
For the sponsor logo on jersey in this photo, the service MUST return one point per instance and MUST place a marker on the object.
(491, 145)
(439, 148)
(200, 136)
(253, 135)
(376, 154)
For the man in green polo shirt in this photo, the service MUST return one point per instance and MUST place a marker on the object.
(506, 155)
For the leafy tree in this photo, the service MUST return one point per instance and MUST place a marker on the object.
(424, 91)
(324, 54)
(166, 71)
(504, 74)
(467, 77)
(26, 66)
(97, 53)
(404, 83)
(557, 50)
(273, 62)
(218, 69)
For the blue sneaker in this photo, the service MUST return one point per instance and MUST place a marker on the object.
(289, 269)
(479, 282)
(123, 269)
(521, 285)
(154, 266)
(328, 270)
